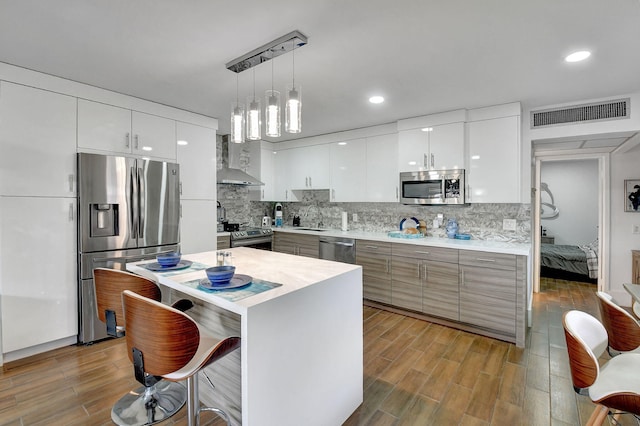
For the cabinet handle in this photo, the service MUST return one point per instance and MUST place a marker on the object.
(180, 188)
(263, 194)
(127, 142)
(420, 272)
(333, 194)
(433, 161)
(286, 194)
(70, 212)
(135, 138)
(71, 179)
(425, 162)
(425, 275)
(396, 192)
(481, 259)
(372, 247)
(388, 266)
(180, 210)
(422, 252)
(310, 184)
(462, 277)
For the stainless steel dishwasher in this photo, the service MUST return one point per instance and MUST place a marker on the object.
(339, 249)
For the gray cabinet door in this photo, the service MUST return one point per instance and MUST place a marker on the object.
(440, 291)
(488, 298)
(375, 259)
(406, 286)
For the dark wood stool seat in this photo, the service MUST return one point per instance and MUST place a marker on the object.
(164, 341)
(155, 400)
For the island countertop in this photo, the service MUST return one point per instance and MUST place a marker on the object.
(293, 272)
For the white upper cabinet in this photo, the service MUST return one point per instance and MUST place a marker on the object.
(196, 147)
(37, 142)
(494, 152)
(348, 170)
(153, 136)
(104, 127)
(382, 168)
(261, 166)
(310, 167)
(118, 130)
(433, 147)
(446, 146)
(281, 176)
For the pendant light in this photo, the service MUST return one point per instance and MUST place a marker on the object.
(253, 114)
(272, 115)
(293, 106)
(237, 118)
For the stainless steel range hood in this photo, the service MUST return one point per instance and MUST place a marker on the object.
(231, 174)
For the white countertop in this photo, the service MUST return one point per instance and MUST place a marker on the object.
(477, 245)
(293, 272)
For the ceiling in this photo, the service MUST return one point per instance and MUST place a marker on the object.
(423, 56)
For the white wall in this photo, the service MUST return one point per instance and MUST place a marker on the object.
(574, 185)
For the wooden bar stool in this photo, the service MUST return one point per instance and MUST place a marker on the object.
(156, 400)
(622, 328)
(163, 341)
(613, 386)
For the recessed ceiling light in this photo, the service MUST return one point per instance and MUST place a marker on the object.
(578, 56)
(376, 99)
(183, 143)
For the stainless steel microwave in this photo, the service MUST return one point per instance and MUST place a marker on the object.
(433, 187)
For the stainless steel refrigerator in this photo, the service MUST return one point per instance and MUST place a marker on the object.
(128, 210)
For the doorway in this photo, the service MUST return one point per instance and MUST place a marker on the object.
(603, 205)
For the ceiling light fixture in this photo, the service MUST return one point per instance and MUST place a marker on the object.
(272, 113)
(293, 109)
(237, 118)
(293, 106)
(253, 114)
(376, 99)
(578, 56)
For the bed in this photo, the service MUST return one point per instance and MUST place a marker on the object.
(576, 263)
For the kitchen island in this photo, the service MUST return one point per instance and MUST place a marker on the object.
(300, 361)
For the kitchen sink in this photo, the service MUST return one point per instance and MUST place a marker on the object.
(312, 229)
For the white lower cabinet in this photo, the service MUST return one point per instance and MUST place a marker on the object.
(37, 271)
(37, 142)
(197, 226)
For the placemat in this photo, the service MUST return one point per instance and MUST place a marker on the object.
(195, 266)
(257, 286)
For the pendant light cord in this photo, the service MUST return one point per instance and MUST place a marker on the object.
(293, 63)
(237, 88)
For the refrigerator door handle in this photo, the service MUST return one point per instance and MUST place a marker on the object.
(133, 202)
(141, 204)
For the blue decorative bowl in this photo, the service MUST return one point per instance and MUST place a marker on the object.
(220, 274)
(168, 259)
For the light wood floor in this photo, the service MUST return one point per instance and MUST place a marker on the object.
(416, 373)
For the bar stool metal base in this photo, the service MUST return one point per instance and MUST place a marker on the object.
(146, 406)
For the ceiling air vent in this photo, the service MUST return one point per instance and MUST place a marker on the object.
(610, 110)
